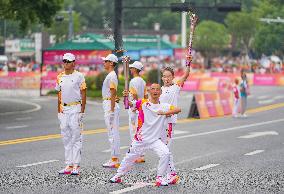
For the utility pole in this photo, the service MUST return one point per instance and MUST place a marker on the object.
(5, 34)
(70, 31)
(157, 29)
(118, 44)
(117, 26)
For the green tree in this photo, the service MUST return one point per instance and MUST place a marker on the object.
(269, 40)
(242, 26)
(211, 38)
(269, 36)
(28, 12)
(60, 28)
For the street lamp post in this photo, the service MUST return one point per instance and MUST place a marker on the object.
(157, 29)
(60, 18)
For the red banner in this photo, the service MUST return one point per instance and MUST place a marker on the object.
(83, 57)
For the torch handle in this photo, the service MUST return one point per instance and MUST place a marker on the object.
(193, 20)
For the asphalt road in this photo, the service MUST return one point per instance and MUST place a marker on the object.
(220, 155)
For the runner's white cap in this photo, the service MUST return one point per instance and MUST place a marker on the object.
(69, 57)
(137, 65)
(110, 57)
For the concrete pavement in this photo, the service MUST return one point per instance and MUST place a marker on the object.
(209, 154)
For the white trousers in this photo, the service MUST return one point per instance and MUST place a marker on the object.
(132, 123)
(112, 124)
(135, 151)
(71, 128)
(236, 106)
(167, 138)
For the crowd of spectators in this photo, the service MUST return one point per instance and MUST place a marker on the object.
(20, 66)
(224, 64)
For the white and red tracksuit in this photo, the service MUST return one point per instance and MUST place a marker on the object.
(147, 137)
(170, 95)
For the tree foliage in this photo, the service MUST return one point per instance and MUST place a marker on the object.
(60, 28)
(242, 26)
(28, 12)
(211, 36)
(269, 36)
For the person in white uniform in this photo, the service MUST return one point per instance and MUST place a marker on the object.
(152, 115)
(71, 87)
(137, 90)
(111, 110)
(170, 94)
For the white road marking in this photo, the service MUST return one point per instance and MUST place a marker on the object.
(23, 118)
(278, 97)
(262, 97)
(40, 99)
(196, 157)
(266, 101)
(38, 163)
(251, 96)
(135, 186)
(17, 127)
(231, 129)
(37, 107)
(177, 132)
(122, 148)
(258, 134)
(189, 160)
(206, 167)
(93, 102)
(254, 152)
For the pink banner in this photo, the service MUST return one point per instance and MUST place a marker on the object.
(48, 83)
(225, 98)
(191, 85)
(19, 82)
(84, 57)
(180, 53)
(225, 84)
(264, 80)
(210, 104)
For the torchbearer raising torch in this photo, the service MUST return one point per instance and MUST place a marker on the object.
(170, 94)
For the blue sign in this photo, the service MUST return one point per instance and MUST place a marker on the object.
(134, 55)
(155, 52)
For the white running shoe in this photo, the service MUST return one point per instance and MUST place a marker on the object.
(75, 171)
(66, 170)
(115, 179)
(160, 181)
(172, 179)
(112, 163)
